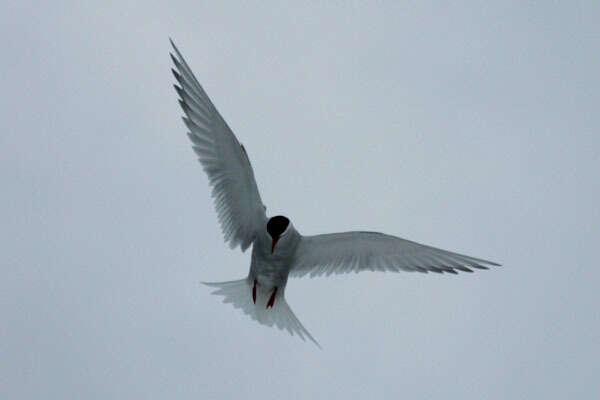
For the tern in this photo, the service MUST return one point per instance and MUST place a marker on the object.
(278, 249)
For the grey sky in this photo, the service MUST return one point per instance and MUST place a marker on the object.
(472, 127)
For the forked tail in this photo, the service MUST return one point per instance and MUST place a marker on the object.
(239, 294)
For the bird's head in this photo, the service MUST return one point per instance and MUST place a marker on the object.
(278, 227)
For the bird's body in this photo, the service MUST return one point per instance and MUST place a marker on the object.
(271, 266)
(278, 249)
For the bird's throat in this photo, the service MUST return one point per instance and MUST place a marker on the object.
(275, 240)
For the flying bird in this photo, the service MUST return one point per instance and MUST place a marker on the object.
(278, 249)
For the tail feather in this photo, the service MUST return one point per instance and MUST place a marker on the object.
(239, 294)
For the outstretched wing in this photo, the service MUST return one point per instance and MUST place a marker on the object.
(237, 200)
(359, 251)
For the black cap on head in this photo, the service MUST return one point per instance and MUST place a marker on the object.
(277, 225)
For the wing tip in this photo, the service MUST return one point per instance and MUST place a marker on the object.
(174, 46)
(177, 75)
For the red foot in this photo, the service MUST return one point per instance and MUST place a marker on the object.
(272, 298)
(254, 292)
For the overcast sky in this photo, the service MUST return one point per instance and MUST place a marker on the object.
(473, 127)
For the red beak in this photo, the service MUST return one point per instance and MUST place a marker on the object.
(274, 243)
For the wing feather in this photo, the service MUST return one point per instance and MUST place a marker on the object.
(240, 210)
(346, 252)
